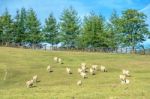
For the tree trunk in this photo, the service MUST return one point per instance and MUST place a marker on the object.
(133, 50)
(143, 51)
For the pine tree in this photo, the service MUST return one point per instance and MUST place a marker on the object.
(33, 28)
(51, 30)
(20, 26)
(7, 28)
(94, 35)
(69, 27)
(114, 36)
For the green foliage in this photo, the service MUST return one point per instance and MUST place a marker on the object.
(126, 30)
(112, 30)
(93, 31)
(6, 27)
(20, 26)
(69, 27)
(51, 30)
(33, 28)
(133, 27)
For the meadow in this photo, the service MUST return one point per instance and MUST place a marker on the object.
(22, 64)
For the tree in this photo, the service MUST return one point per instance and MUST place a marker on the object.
(133, 28)
(114, 36)
(51, 30)
(93, 31)
(6, 28)
(69, 27)
(20, 26)
(1, 29)
(33, 28)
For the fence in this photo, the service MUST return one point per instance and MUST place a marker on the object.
(101, 49)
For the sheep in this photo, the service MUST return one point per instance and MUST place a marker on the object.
(83, 75)
(49, 69)
(122, 77)
(56, 59)
(103, 69)
(29, 83)
(92, 71)
(35, 78)
(126, 81)
(125, 72)
(94, 67)
(83, 67)
(79, 83)
(83, 64)
(68, 70)
(60, 61)
(80, 70)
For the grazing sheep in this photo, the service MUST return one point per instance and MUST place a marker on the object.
(122, 77)
(83, 75)
(83, 64)
(68, 70)
(94, 67)
(35, 78)
(125, 72)
(126, 81)
(49, 69)
(60, 61)
(103, 69)
(56, 59)
(83, 67)
(92, 71)
(79, 83)
(29, 83)
(80, 70)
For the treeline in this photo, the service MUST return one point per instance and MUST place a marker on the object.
(126, 30)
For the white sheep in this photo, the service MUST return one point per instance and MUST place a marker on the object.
(35, 78)
(83, 75)
(126, 81)
(56, 59)
(83, 64)
(83, 67)
(29, 83)
(103, 69)
(122, 77)
(49, 69)
(94, 67)
(92, 71)
(68, 70)
(60, 61)
(80, 70)
(125, 72)
(79, 83)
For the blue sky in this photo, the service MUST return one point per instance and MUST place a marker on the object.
(44, 7)
(105, 7)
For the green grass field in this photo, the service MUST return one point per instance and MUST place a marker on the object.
(22, 64)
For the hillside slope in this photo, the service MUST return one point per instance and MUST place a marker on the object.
(22, 64)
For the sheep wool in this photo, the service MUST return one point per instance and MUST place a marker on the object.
(79, 83)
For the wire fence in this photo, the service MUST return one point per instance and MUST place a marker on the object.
(121, 50)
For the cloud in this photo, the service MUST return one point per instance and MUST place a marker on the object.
(146, 10)
(44, 7)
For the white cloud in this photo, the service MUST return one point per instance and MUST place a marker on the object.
(146, 10)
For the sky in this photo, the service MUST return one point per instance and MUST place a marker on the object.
(44, 7)
(104, 7)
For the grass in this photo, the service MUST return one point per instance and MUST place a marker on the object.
(22, 64)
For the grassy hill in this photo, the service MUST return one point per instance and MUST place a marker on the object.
(22, 64)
